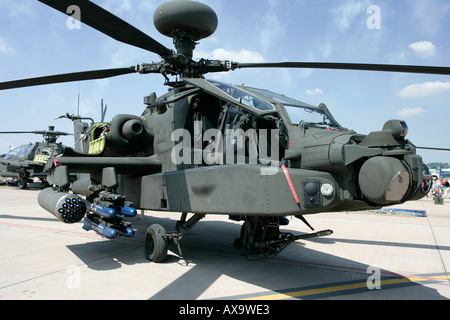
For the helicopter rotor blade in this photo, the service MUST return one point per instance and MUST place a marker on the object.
(349, 66)
(109, 24)
(59, 133)
(54, 133)
(14, 132)
(430, 148)
(67, 77)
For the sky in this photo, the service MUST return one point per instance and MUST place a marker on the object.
(36, 40)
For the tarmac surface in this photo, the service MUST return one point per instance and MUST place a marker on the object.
(369, 256)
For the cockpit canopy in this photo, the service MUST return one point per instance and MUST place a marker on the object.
(243, 96)
(264, 100)
(21, 151)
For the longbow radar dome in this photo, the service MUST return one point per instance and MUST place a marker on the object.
(182, 16)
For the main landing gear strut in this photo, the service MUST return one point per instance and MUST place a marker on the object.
(258, 236)
(261, 236)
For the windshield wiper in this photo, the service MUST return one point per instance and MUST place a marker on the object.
(317, 124)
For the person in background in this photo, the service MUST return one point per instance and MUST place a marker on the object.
(446, 188)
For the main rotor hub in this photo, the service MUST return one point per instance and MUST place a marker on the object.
(186, 22)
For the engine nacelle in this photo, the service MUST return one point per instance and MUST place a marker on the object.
(128, 131)
(133, 130)
(67, 207)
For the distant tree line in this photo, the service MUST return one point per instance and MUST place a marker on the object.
(435, 165)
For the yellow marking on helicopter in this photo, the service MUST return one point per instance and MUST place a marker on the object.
(41, 158)
(97, 146)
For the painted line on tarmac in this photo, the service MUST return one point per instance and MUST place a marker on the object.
(343, 288)
(95, 235)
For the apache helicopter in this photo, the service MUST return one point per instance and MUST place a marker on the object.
(207, 147)
(27, 161)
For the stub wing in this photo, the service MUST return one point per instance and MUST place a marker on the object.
(86, 163)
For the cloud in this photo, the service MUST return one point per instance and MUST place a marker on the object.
(424, 49)
(430, 16)
(117, 6)
(4, 48)
(346, 13)
(327, 50)
(17, 9)
(270, 27)
(314, 91)
(222, 54)
(424, 89)
(407, 112)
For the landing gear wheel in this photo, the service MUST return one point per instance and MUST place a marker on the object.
(156, 243)
(22, 184)
(239, 242)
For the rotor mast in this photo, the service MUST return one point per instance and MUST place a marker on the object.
(185, 44)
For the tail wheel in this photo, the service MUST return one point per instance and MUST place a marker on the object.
(156, 243)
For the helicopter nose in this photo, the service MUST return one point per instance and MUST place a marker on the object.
(384, 180)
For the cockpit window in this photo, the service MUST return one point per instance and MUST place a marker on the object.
(299, 112)
(281, 98)
(308, 116)
(11, 154)
(243, 96)
(24, 150)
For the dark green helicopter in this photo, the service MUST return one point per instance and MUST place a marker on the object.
(26, 162)
(208, 147)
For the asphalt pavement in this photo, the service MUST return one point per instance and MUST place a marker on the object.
(370, 256)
